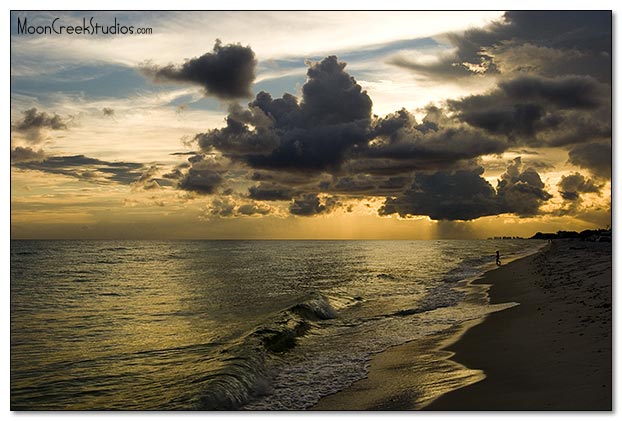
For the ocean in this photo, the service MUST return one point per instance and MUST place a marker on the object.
(211, 325)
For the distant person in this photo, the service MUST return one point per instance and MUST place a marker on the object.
(498, 259)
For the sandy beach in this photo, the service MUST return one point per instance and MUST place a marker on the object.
(551, 352)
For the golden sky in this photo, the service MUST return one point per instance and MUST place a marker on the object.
(340, 125)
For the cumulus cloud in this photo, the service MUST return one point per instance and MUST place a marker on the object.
(554, 81)
(227, 72)
(302, 148)
(445, 195)
(205, 174)
(34, 124)
(310, 205)
(201, 180)
(520, 190)
(325, 146)
(465, 195)
(313, 134)
(572, 186)
(400, 137)
(227, 207)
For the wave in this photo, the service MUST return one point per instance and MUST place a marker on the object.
(243, 375)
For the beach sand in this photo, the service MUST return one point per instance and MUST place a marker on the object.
(551, 352)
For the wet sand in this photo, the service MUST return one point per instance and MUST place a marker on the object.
(551, 352)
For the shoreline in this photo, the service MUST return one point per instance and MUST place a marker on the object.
(551, 352)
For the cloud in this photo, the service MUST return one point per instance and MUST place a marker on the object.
(326, 145)
(331, 126)
(34, 124)
(520, 190)
(400, 137)
(361, 185)
(147, 180)
(465, 195)
(226, 73)
(311, 205)
(20, 154)
(201, 180)
(226, 207)
(563, 92)
(86, 169)
(223, 207)
(204, 176)
(311, 135)
(271, 192)
(571, 186)
(446, 195)
(540, 112)
(553, 74)
(250, 209)
(546, 42)
(595, 157)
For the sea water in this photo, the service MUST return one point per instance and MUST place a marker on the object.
(204, 325)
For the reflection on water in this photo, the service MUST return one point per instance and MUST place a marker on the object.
(184, 324)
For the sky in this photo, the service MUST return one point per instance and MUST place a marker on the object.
(340, 125)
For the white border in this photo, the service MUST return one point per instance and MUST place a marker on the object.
(280, 5)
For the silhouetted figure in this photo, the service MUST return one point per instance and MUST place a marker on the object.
(498, 259)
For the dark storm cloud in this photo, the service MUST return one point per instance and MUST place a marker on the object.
(205, 174)
(33, 123)
(328, 142)
(86, 169)
(353, 184)
(595, 157)
(563, 92)
(466, 195)
(201, 180)
(311, 135)
(227, 72)
(332, 126)
(271, 192)
(331, 96)
(571, 186)
(540, 111)
(578, 41)
(499, 117)
(436, 146)
(521, 191)
(20, 154)
(445, 195)
(310, 205)
(580, 128)
(361, 185)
